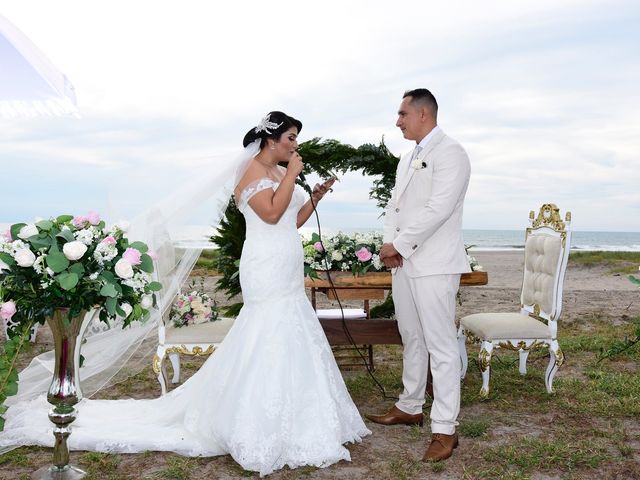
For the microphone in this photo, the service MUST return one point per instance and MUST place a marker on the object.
(305, 185)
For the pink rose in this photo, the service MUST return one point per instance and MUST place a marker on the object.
(109, 240)
(93, 218)
(7, 236)
(363, 254)
(318, 247)
(152, 254)
(132, 256)
(79, 221)
(7, 310)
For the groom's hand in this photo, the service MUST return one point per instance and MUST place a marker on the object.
(393, 262)
(388, 250)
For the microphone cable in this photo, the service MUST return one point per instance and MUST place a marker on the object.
(335, 293)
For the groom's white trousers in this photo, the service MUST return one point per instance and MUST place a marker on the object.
(425, 309)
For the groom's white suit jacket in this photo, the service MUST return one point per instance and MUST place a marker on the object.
(423, 219)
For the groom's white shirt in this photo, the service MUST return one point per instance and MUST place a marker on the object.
(423, 218)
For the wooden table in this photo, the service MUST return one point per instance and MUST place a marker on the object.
(371, 331)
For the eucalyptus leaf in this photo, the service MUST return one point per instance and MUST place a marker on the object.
(146, 264)
(78, 269)
(3, 409)
(109, 290)
(66, 234)
(15, 230)
(57, 262)
(155, 286)
(108, 276)
(44, 225)
(111, 305)
(8, 259)
(64, 218)
(140, 246)
(67, 280)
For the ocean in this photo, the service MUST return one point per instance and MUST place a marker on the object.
(481, 240)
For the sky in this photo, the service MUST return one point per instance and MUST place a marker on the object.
(542, 94)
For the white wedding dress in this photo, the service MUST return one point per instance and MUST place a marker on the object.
(271, 395)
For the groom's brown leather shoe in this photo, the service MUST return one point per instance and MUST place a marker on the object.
(441, 447)
(395, 416)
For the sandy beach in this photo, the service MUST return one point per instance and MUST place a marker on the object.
(585, 419)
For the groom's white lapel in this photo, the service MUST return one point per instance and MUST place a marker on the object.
(406, 171)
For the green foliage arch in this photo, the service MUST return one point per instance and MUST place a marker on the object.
(325, 158)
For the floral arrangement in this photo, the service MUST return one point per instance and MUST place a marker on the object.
(193, 308)
(358, 253)
(473, 263)
(75, 262)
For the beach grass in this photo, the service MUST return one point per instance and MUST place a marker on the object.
(617, 262)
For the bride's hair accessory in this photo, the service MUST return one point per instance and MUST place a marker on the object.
(266, 125)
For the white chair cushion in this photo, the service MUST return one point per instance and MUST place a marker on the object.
(209, 332)
(336, 313)
(542, 254)
(505, 326)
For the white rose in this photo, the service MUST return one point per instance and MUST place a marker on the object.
(24, 257)
(28, 231)
(146, 302)
(74, 250)
(123, 269)
(127, 309)
(337, 255)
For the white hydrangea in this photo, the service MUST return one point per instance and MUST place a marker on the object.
(37, 265)
(138, 281)
(87, 235)
(93, 276)
(17, 245)
(104, 253)
(375, 260)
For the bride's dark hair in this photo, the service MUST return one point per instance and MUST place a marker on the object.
(280, 123)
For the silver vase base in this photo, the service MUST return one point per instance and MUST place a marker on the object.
(52, 473)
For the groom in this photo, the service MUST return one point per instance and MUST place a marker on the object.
(424, 246)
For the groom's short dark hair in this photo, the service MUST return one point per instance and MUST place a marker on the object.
(423, 97)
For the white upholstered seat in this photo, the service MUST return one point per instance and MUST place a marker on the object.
(547, 244)
(197, 340)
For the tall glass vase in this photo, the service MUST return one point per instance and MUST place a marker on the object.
(64, 392)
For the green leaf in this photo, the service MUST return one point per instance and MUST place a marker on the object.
(8, 259)
(44, 225)
(64, 218)
(634, 280)
(108, 277)
(111, 305)
(41, 241)
(56, 261)
(120, 311)
(3, 409)
(137, 311)
(146, 264)
(109, 290)
(155, 286)
(1, 424)
(77, 268)
(66, 234)
(315, 237)
(15, 229)
(67, 280)
(140, 246)
(11, 388)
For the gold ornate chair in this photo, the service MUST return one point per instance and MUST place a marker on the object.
(194, 340)
(547, 244)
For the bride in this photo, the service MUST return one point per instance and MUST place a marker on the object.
(271, 395)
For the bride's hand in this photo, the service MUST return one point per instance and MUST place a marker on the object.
(295, 165)
(319, 190)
